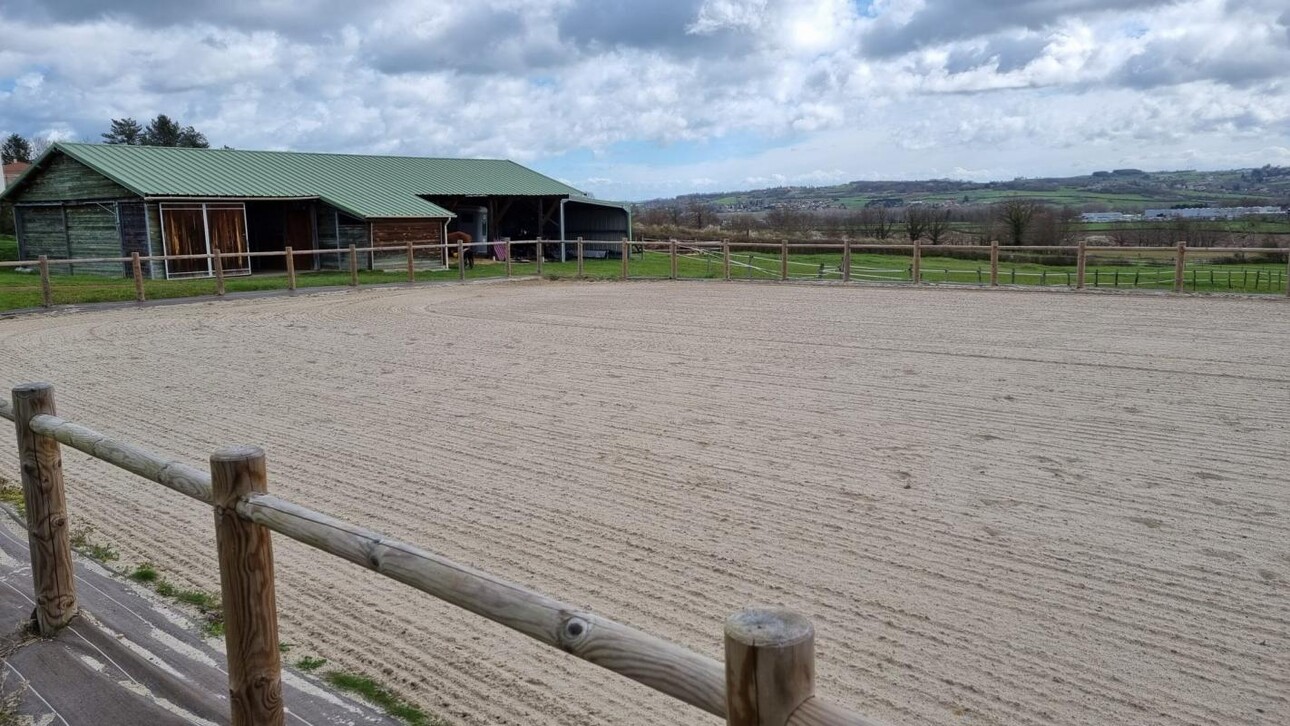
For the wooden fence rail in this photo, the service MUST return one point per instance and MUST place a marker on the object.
(766, 680)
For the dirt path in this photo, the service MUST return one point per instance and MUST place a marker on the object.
(998, 507)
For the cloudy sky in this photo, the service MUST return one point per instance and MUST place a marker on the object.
(632, 99)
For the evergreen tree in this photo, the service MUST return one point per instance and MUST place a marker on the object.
(162, 131)
(15, 148)
(124, 131)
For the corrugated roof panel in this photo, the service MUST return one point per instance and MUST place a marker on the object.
(369, 186)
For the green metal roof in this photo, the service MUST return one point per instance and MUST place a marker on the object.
(364, 186)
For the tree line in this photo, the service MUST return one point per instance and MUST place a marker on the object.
(162, 130)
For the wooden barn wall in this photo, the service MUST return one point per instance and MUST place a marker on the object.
(66, 179)
(92, 232)
(134, 231)
(391, 233)
(41, 233)
(325, 222)
(354, 233)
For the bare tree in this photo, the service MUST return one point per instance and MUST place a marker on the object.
(1016, 215)
(915, 223)
(878, 222)
(938, 224)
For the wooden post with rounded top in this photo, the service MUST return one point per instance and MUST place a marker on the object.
(1080, 266)
(46, 288)
(136, 270)
(916, 270)
(353, 266)
(1180, 267)
(783, 260)
(627, 251)
(246, 586)
(41, 464)
(291, 269)
(846, 260)
(580, 265)
(770, 666)
(725, 259)
(412, 266)
(994, 263)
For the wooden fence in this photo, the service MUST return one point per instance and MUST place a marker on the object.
(723, 254)
(767, 678)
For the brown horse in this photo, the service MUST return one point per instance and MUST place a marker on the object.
(468, 250)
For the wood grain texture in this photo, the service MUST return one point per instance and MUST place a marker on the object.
(725, 260)
(663, 666)
(353, 266)
(537, 256)
(170, 474)
(846, 260)
(412, 263)
(136, 269)
(671, 260)
(1081, 260)
(246, 585)
(290, 258)
(1180, 267)
(461, 260)
(626, 259)
(917, 271)
(783, 260)
(217, 262)
(46, 290)
(770, 666)
(580, 260)
(41, 464)
(508, 256)
(994, 263)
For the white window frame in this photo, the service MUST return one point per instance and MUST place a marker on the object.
(206, 227)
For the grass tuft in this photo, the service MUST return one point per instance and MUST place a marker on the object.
(144, 573)
(383, 697)
(11, 494)
(82, 542)
(309, 663)
(207, 604)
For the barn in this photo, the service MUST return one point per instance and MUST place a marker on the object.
(83, 201)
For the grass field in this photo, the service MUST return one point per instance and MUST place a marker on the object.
(8, 248)
(1144, 271)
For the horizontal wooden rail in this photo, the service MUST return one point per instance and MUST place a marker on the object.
(676, 671)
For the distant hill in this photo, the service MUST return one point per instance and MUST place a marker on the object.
(1126, 190)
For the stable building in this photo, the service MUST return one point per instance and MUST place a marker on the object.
(85, 201)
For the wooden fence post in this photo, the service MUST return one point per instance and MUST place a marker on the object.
(627, 251)
(916, 271)
(353, 266)
(537, 257)
(217, 260)
(136, 269)
(1180, 266)
(412, 268)
(246, 587)
(507, 242)
(671, 252)
(46, 288)
(41, 465)
(770, 666)
(783, 260)
(725, 259)
(461, 260)
(846, 260)
(291, 269)
(580, 265)
(994, 263)
(1287, 274)
(1080, 266)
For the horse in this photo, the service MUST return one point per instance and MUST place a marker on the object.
(467, 248)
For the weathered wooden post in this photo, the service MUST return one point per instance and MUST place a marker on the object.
(507, 242)
(46, 288)
(412, 267)
(846, 260)
(291, 269)
(994, 263)
(537, 257)
(461, 260)
(136, 269)
(246, 587)
(725, 259)
(671, 252)
(1080, 265)
(1287, 274)
(41, 466)
(627, 250)
(580, 265)
(783, 260)
(353, 266)
(217, 261)
(770, 666)
(916, 270)
(1180, 266)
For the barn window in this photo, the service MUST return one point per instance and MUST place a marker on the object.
(199, 229)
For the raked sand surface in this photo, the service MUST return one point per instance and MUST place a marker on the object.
(997, 507)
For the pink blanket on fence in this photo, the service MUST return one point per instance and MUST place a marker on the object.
(499, 251)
